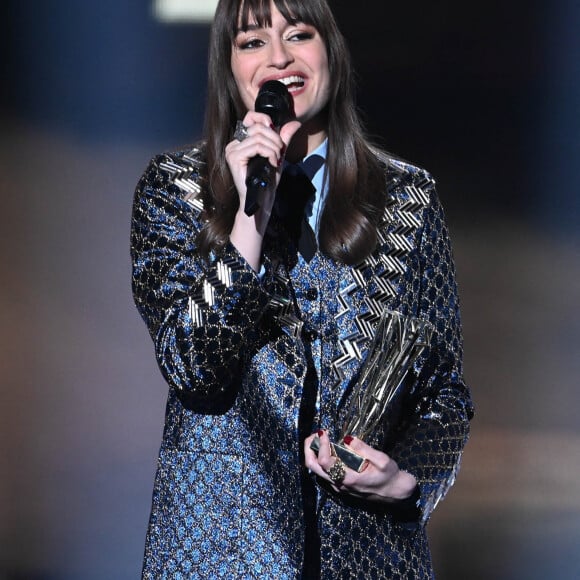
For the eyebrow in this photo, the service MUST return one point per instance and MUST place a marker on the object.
(249, 28)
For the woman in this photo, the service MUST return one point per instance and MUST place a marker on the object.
(261, 341)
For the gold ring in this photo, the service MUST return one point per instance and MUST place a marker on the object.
(337, 472)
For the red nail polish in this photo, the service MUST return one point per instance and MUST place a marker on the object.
(320, 432)
(348, 439)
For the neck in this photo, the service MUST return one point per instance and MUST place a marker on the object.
(306, 140)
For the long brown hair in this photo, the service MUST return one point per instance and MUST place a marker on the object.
(348, 231)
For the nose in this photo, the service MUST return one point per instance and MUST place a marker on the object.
(280, 55)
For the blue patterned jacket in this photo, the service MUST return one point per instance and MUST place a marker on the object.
(242, 353)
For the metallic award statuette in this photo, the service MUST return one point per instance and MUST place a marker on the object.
(384, 379)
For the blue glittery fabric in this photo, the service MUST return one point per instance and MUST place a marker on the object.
(237, 351)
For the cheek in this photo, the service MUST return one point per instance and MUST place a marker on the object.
(325, 80)
(324, 71)
(248, 100)
(242, 78)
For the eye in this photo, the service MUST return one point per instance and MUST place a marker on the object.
(301, 35)
(249, 44)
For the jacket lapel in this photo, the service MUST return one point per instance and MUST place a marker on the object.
(375, 284)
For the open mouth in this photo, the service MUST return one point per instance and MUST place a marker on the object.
(293, 83)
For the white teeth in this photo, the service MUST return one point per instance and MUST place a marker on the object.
(292, 80)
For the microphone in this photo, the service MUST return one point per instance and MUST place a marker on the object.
(274, 100)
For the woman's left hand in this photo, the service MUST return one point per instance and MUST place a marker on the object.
(380, 480)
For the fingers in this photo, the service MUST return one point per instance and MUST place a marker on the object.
(258, 139)
(320, 464)
(288, 131)
(377, 458)
(315, 461)
(381, 480)
(261, 140)
(384, 480)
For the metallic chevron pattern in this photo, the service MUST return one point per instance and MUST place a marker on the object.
(282, 308)
(218, 279)
(397, 235)
(400, 223)
(185, 175)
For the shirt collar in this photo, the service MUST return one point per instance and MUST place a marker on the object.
(314, 162)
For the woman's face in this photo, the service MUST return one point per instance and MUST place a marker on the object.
(294, 54)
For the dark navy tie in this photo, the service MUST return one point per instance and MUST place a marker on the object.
(294, 193)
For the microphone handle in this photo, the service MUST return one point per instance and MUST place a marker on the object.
(260, 175)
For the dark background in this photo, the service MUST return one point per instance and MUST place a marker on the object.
(484, 95)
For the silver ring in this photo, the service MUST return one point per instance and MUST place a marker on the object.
(337, 472)
(241, 131)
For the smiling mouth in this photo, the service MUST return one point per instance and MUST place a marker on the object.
(293, 83)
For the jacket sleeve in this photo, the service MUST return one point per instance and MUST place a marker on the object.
(201, 314)
(437, 429)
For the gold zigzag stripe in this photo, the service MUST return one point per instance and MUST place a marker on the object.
(395, 246)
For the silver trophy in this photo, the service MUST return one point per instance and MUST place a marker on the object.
(384, 379)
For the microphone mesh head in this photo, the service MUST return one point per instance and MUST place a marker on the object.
(275, 100)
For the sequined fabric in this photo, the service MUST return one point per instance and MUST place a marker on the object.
(237, 353)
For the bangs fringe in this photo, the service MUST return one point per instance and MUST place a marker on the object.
(259, 12)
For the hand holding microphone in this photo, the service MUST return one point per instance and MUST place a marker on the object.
(274, 100)
(254, 158)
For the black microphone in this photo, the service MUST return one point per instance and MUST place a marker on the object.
(274, 100)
